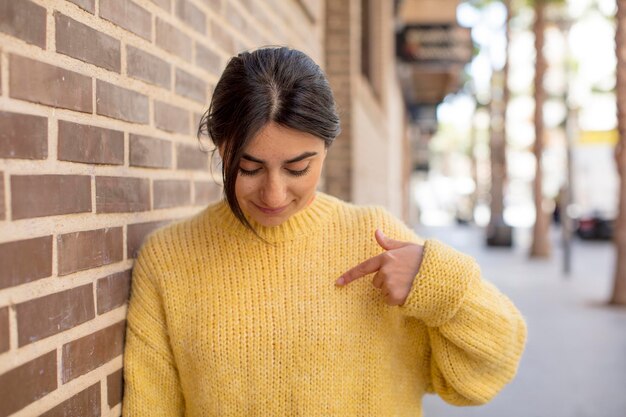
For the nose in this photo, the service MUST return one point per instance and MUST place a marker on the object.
(273, 191)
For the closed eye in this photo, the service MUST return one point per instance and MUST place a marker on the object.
(299, 173)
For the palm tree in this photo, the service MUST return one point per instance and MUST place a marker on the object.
(541, 243)
(498, 232)
(619, 287)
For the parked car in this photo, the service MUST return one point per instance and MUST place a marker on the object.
(595, 226)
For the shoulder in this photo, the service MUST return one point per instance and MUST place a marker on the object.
(372, 217)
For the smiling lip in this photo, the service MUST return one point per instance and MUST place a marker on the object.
(268, 210)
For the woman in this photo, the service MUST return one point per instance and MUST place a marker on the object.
(257, 306)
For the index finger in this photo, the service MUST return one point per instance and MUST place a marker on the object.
(366, 267)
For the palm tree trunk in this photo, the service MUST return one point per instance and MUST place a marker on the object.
(541, 239)
(619, 288)
(498, 232)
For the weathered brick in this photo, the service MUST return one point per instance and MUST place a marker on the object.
(171, 118)
(120, 103)
(5, 342)
(150, 152)
(128, 15)
(146, 67)
(88, 5)
(84, 404)
(23, 136)
(223, 38)
(190, 86)
(82, 42)
(171, 193)
(54, 313)
(208, 60)
(49, 195)
(191, 157)
(191, 15)
(215, 5)
(35, 81)
(25, 261)
(89, 249)
(25, 20)
(137, 233)
(88, 353)
(115, 388)
(2, 209)
(122, 194)
(235, 18)
(173, 40)
(28, 383)
(112, 291)
(206, 192)
(164, 4)
(90, 144)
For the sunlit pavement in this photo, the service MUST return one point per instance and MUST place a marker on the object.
(575, 360)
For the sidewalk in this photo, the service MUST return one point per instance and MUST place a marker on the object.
(575, 360)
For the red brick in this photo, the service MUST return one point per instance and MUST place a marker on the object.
(88, 5)
(90, 144)
(191, 157)
(54, 313)
(25, 261)
(23, 136)
(137, 233)
(89, 352)
(115, 388)
(173, 40)
(164, 4)
(146, 67)
(208, 60)
(190, 86)
(122, 194)
(128, 15)
(84, 404)
(38, 82)
(206, 192)
(150, 152)
(120, 103)
(191, 15)
(171, 118)
(112, 291)
(27, 383)
(171, 193)
(223, 38)
(5, 342)
(90, 249)
(82, 42)
(49, 195)
(2, 209)
(24, 20)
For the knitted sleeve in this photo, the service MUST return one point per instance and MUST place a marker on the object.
(477, 335)
(152, 386)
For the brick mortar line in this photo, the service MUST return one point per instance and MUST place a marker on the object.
(54, 284)
(104, 390)
(46, 226)
(15, 358)
(12, 328)
(4, 73)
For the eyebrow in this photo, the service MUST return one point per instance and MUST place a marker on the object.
(298, 158)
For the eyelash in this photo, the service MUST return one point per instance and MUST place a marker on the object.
(290, 171)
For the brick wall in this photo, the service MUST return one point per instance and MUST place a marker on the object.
(99, 104)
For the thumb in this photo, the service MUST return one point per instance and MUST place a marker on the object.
(387, 243)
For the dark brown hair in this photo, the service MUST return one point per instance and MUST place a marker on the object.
(279, 85)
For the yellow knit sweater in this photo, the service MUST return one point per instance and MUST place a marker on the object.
(222, 324)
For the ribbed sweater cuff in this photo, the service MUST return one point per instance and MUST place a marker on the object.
(441, 284)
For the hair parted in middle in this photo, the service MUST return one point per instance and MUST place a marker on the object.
(273, 84)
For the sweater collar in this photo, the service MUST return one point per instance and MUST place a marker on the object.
(303, 222)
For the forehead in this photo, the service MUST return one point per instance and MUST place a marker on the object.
(274, 141)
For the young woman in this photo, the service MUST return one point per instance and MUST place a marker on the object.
(283, 301)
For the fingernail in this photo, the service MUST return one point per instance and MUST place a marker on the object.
(340, 281)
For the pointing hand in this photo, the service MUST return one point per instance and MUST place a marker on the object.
(395, 268)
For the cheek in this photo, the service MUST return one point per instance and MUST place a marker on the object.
(244, 186)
